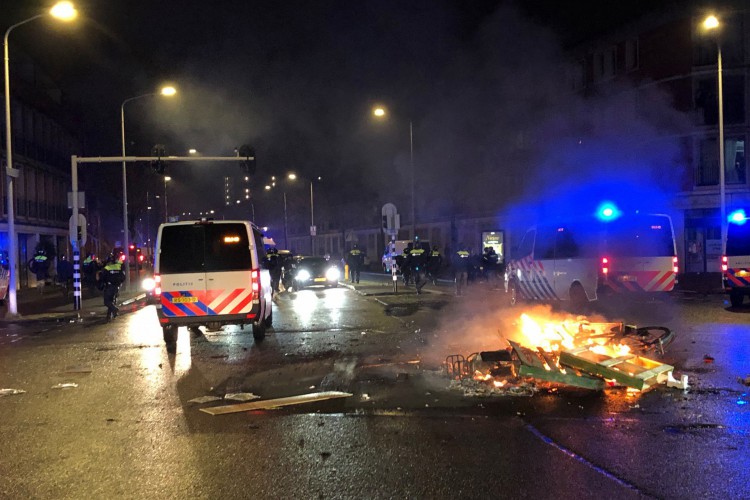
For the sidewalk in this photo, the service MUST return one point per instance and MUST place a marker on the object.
(52, 305)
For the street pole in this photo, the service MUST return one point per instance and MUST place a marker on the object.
(722, 175)
(10, 174)
(286, 240)
(166, 213)
(312, 221)
(411, 163)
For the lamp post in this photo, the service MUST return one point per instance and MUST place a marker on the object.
(712, 23)
(65, 12)
(166, 214)
(165, 91)
(380, 112)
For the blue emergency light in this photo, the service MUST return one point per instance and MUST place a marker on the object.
(737, 217)
(608, 211)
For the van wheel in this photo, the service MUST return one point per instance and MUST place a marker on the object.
(269, 320)
(170, 338)
(578, 297)
(259, 330)
(736, 298)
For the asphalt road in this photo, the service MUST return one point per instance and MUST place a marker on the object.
(129, 428)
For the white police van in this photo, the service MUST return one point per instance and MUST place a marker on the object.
(735, 263)
(210, 273)
(582, 259)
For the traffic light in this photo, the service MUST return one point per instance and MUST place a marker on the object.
(247, 166)
(158, 165)
(131, 249)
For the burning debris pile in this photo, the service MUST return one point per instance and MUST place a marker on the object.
(575, 353)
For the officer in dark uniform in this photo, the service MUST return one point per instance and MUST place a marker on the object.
(111, 277)
(402, 263)
(434, 262)
(273, 264)
(91, 266)
(461, 263)
(416, 262)
(355, 259)
(39, 265)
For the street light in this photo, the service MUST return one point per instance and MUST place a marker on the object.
(380, 112)
(292, 177)
(711, 23)
(165, 91)
(268, 188)
(166, 215)
(65, 12)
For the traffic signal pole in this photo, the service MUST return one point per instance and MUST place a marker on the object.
(74, 234)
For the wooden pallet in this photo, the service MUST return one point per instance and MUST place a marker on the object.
(543, 365)
(630, 370)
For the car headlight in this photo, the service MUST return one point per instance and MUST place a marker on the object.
(333, 274)
(148, 284)
(302, 275)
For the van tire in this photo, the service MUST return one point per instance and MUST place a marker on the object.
(578, 298)
(170, 337)
(268, 322)
(736, 298)
(259, 330)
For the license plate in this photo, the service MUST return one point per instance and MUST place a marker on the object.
(742, 273)
(184, 300)
(319, 279)
(627, 277)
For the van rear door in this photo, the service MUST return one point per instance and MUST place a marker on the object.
(181, 267)
(228, 266)
(641, 254)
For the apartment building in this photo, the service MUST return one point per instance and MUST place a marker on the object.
(669, 49)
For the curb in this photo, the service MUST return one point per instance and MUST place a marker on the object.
(53, 316)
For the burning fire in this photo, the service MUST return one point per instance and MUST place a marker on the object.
(552, 336)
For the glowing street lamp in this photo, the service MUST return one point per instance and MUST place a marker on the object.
(63, 11)
(165, 91)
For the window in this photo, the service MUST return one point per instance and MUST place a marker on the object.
(707, 101)
(707, 173)
(604, 64)
(631, 55)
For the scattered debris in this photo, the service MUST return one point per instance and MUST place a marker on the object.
(204, 399)
(65, 385)
(11, 392)
(241, 396)
(708, 359)
(276, 403)
(744, 381)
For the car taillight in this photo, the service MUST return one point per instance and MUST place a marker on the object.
(724, 263)
(675, 267)
(157, 285)
(255, 281)
(605, 265)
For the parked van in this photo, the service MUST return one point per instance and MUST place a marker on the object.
(585, 259)
(209, 273)
(735, 265)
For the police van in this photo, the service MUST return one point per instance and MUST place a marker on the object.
(210, 273)
(735, 264)
(582, 259)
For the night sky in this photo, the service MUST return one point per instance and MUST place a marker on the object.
(479, 81)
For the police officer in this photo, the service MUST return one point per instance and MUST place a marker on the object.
(355, 259)
(434, 261)
(39, 265)
(111, 277)
(416, 262)
(461, 263)
(489, 266)
(64, 273)
(273, 265)
(91, 266)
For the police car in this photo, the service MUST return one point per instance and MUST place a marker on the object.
(735, 264)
